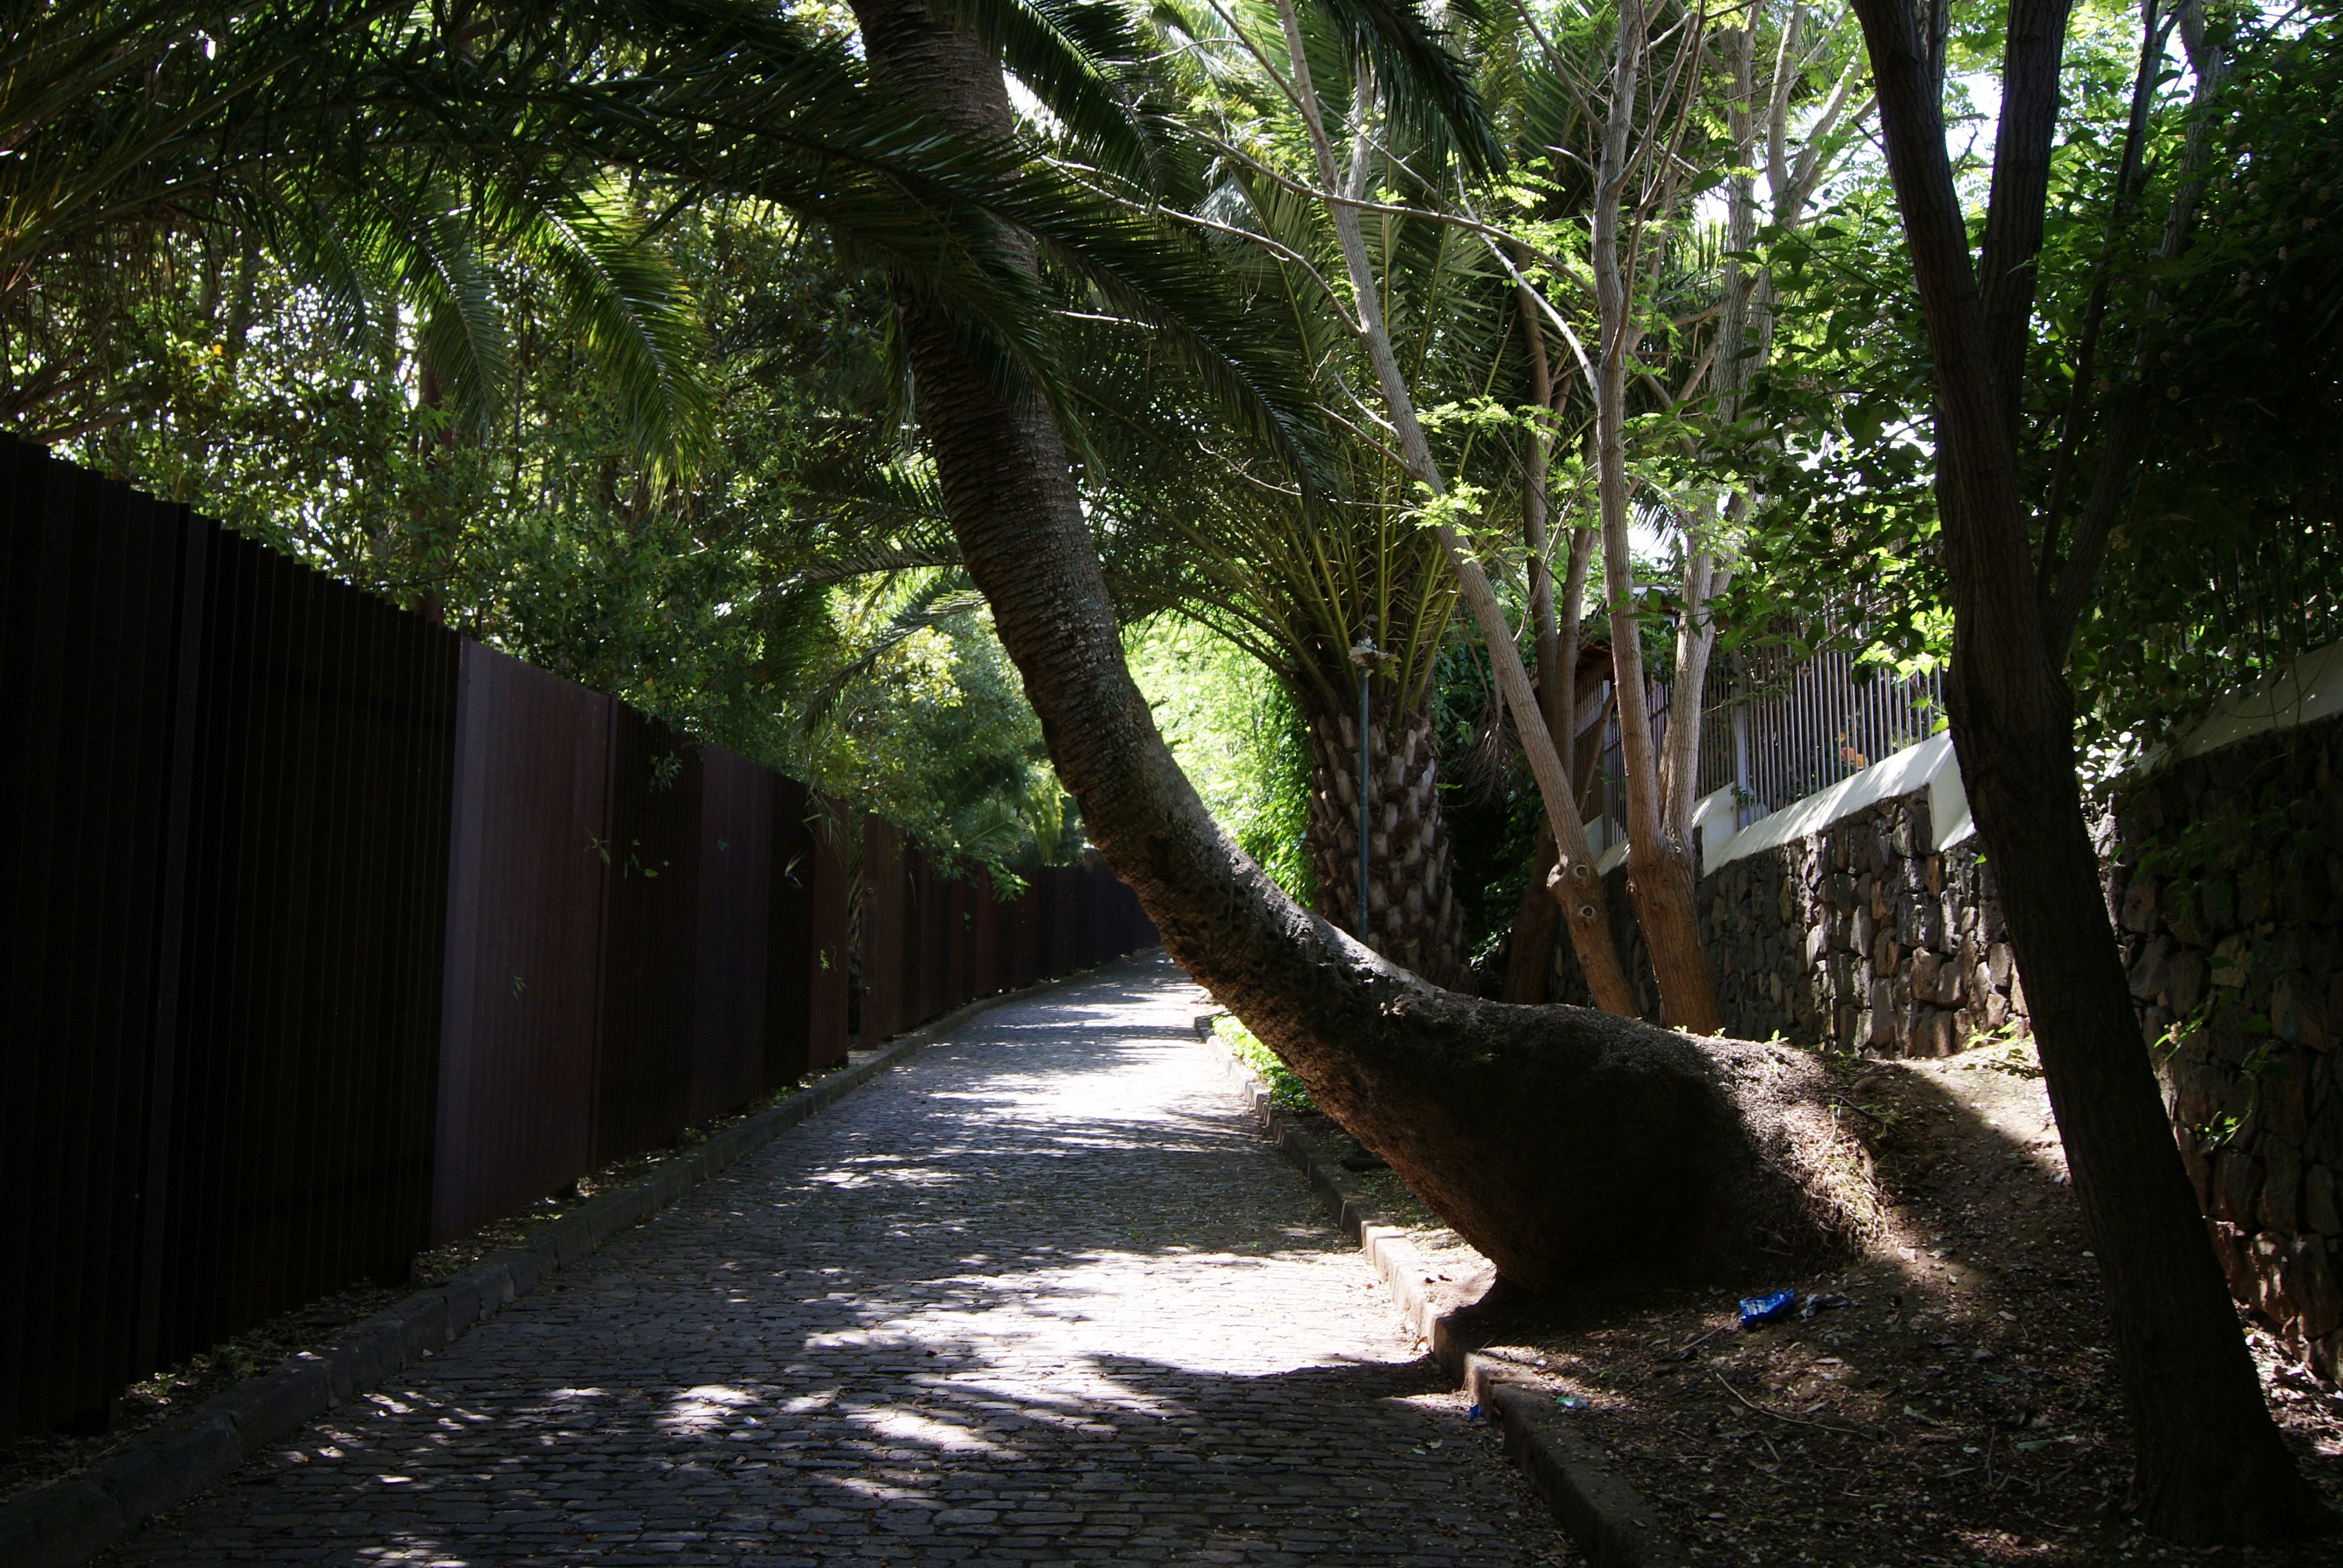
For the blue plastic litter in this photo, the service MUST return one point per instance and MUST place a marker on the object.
(1756, 1310)
(1472, 1414)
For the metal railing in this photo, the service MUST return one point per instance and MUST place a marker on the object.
(1778, 728)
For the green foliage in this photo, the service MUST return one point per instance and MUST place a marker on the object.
(1284, 1089)
(2224, 562)
(1233, 729)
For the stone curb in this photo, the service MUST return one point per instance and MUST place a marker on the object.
(68, 1521)
(1611, 1523)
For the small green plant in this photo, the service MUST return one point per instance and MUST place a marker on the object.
(1284, 1089)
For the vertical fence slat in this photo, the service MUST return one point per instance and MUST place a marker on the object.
(882, 930)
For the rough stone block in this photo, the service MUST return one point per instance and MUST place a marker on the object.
(59, 1525)
(2184, 981)
(524, 1266)
(422, 1323)
(2272, 1292)
(2296, 1015)
(366, 1353)
(2236, 1258)
(2150, 969)
(2254, 895)
(265, 1409)
(1878, 1025)
(2217, 905)
(1943, 1037)
(171, 1466)
(2312, 1281)
(474, 1294)
(571, 1241)
(1924, 971)
(2286, 1097)
(2321, 1210)
(2280, 1206)
(2236, 1184)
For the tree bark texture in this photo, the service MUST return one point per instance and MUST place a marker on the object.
(1661, 877)
(1567, 1145)
(1537, 920)
(1413, 919)
(2210, 1465)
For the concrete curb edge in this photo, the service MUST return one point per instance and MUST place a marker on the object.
(72, 1520)
(1609, 1521)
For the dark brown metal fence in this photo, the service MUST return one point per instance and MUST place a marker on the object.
(330, 934)
(91, 617)
(932, 941)
(526, 876)
(303, 1070)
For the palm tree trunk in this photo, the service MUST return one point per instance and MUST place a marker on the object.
(1413, 920)
(1563, 1143)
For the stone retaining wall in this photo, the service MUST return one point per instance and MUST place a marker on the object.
(2228, 889)
(1859, 937)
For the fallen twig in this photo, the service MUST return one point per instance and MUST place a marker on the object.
(1685, 1354)
(1777, 1416)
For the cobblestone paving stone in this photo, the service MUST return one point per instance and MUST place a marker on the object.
(1040, 1297)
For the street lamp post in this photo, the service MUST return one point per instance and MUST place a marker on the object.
(1364, 655)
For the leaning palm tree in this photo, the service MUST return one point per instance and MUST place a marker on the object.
(1562, 1143)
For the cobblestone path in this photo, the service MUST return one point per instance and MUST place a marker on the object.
(1041, 1296)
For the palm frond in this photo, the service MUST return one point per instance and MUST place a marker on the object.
(1429, 90)
(944, 598)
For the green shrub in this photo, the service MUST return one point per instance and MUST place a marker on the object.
(1284, 1089)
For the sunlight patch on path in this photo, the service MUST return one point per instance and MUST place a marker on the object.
(1040, 1296)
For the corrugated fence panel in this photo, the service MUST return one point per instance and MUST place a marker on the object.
(984, 939)
(88, 639)
(306, 1059)
(1025, 934)
(920, 931)
(736, 888)
(806, 966)
(651, 930)
(1065, 916)
(792, 956)
(883, 915)
(523, 989)
(832, 895)
(963, 939)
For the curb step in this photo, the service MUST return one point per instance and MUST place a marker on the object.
(1609, 1521)
(71, 1521)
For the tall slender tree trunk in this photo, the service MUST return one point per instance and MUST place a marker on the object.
(1565, 1143)
(1555, 619)
(1661, 875)
(2210, 1463)
(1414, 918)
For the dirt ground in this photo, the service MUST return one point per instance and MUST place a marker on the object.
(1962, 1407)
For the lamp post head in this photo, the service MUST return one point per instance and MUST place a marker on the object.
(1364, 654)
